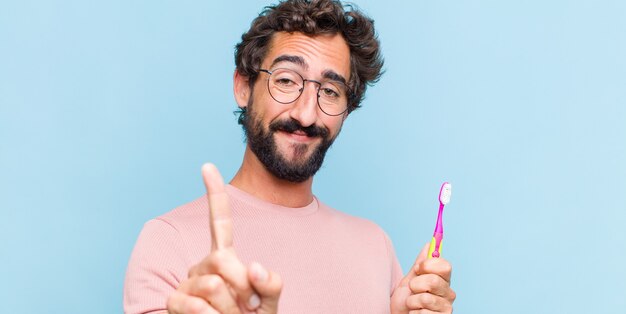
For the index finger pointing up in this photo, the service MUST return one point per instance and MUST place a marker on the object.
(220, 220)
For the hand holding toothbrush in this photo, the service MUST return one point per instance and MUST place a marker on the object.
(426, 287)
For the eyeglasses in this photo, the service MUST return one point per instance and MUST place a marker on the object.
(286, 86)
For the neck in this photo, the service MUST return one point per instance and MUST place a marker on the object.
(254, 179)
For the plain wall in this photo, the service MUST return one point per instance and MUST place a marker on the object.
(108, 109)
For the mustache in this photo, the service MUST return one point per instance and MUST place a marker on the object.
(293, 125)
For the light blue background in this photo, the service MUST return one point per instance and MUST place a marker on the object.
(108, 109)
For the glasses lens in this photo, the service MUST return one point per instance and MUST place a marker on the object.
(333, 97)
(285, 85)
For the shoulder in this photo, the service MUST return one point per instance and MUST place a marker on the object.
(168, 245)
(170, 231)
(353, 223)
(182, 231)
(191, 215)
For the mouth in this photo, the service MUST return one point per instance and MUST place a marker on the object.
(298, 136)
(295, 133)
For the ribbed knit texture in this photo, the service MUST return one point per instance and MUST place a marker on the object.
(330, 262)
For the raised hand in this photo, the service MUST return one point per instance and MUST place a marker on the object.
(426, 287)
(221, 283)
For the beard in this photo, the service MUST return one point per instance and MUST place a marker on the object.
(264, 146)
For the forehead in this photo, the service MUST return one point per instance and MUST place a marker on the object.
(320, 53)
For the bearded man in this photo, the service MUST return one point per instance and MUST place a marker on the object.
(264, 243)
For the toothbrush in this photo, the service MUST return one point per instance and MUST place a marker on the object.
(435, 243)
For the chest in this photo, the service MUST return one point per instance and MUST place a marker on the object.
(326, 267)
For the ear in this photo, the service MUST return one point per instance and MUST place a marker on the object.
(241, 88)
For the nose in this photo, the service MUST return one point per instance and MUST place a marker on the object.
(305, 108)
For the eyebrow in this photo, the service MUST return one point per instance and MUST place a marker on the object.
(290, 58)
(328, 74)
(332, 75)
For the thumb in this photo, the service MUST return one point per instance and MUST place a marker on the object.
(268, 285)
(421, 258)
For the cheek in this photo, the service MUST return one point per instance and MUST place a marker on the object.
(334, 125)
(263, 103)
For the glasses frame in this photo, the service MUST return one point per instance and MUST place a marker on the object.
(319, 86)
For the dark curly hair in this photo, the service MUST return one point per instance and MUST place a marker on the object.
(313, 17)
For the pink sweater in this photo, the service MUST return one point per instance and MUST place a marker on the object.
(330, 262)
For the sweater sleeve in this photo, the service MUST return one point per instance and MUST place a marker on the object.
(156, 267)
(396, 269)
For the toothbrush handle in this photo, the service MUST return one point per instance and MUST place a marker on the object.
(435, 245)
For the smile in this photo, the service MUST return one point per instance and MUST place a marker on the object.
(298, 136)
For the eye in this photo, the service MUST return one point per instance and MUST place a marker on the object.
(284, 81)
(287, 79)
(329, 92)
